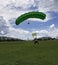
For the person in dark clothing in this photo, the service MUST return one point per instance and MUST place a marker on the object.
(36, 41)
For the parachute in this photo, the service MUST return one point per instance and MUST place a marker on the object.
(28, 15)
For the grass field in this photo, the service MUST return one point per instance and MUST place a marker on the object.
(26, 53)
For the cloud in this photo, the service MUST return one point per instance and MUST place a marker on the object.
(42, 5)
(24, 4)
(52, 27)
(48, 5)
(17, 4)
(55, 5)
(18, 33)
(54, 33)
(51, 32)
(45, 5)
(4, 26)
(41, 33)
(46, 33)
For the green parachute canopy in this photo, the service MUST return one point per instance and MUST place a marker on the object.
(28, 15)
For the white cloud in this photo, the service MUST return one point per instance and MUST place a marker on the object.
(24, 4)
(51, 32)
(4, 26)
(2, 32)
(54, 33)
(18, 33)
(55, 5)
(41, 33)
(17, 3)
(48, 5)
(52, 27)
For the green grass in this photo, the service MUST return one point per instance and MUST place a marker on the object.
(26, 53)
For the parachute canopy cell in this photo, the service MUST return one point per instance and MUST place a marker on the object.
(28, 15)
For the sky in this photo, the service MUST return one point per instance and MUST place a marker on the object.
(11, 9)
